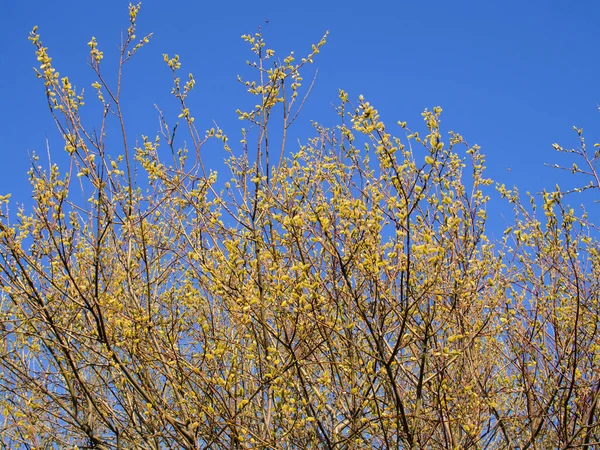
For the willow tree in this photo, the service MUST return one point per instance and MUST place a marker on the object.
(340, 294)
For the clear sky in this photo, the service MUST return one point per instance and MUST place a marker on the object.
(511, 76)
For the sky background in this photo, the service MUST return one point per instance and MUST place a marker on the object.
(511, 76)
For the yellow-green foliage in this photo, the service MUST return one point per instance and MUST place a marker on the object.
(340, 294)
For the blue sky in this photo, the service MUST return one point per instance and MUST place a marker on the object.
(511, 76)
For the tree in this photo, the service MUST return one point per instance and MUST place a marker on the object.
(340, 295)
